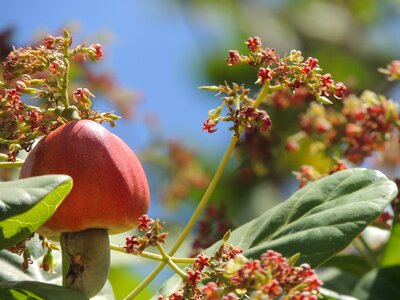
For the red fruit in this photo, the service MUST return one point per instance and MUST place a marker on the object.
(110, 189)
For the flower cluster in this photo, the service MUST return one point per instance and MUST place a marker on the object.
(153, 236)
(283, 99)
(241, 111)
(41, 73)
(392, 70)
(211, 228)
(228, 275)
(291, 71)
(308, 173)
(363, 125)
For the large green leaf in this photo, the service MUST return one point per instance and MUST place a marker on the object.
(11, 271)
(391, 255)
(32, 290)
(26, 204)
(380, 284)
(320, 219)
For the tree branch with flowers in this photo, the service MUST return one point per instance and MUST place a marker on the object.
(271, 257)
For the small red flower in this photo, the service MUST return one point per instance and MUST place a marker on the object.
(312, 63)
(326, 81)
(145, 222)
(230, 296)
(269, 56)
(201, 262)
(234, 57)
(313, 283)
(210, 291)
(272, 288)
(131, 244)
(54, 67)
(193, 277)
(340, 90)
(161, 237)
(209, 126)
(292, 146)
(176, 296)
(49, 42)
(266, 122)
(264, 74)
(249, 112)
(99, 52)
(254, 44)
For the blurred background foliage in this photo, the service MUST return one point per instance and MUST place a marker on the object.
(350, 38)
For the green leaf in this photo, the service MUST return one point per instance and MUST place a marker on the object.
(320, 219)
(338, 280)
(169, 286)
(380, 284)
(332, 295)
(32, 290)
(26, 204)
(11, 271)
(350, 263)
(391, 255)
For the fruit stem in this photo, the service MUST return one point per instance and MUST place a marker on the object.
(85, 260)
(203, 202)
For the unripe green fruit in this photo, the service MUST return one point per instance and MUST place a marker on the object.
(58, 110)
(71, 113)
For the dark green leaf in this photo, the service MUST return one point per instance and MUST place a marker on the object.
(380, 284)
(349, 263)
(27, 203)
(32, 290)
(320, 219)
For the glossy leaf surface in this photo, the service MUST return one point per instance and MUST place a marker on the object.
(320, 219)
(26, 204)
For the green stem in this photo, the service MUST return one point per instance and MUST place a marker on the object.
(179, 260)
(365, 252)
(177, 270)
(206, 196)
(169, 261)
(145, 254)
(64, 90)
(153, 256)
(145, 282)
(65, 79)
(203, 202)
(369, 251)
